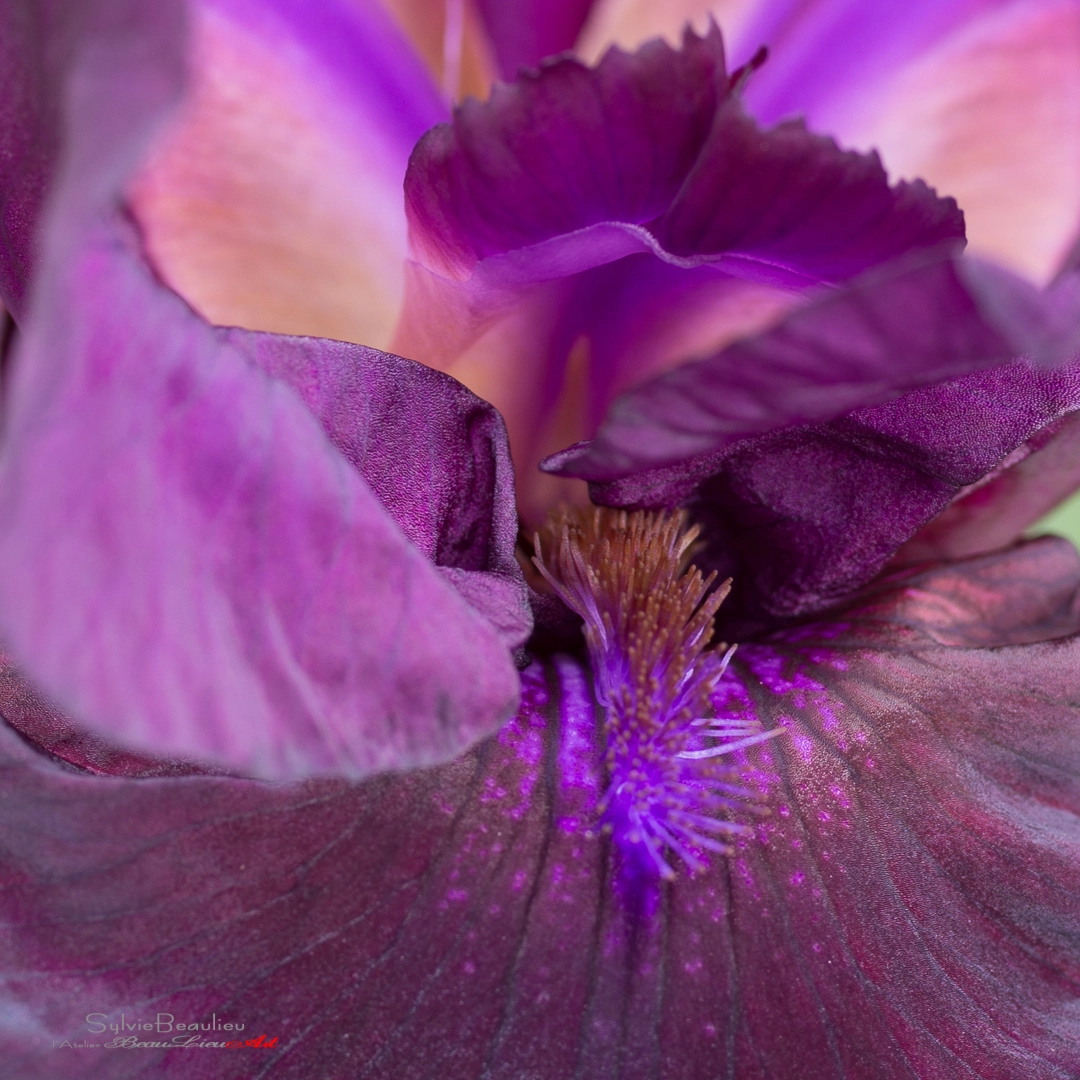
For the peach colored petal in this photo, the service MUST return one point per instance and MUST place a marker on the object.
(273, 201)
(629, 23)
(991, 116)
(449, 35)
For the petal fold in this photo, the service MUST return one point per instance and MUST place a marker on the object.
(637, 189)
(205, 565)
(802, 504)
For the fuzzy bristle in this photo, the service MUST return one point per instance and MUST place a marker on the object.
(649, 621)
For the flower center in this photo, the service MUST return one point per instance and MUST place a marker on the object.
(648, 625)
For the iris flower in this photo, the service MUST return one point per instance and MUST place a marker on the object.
(317, 725)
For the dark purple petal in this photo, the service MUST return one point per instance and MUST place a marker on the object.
(815, 507)
(562, 149)
(908, 910)
(192, 566)
(523, 34)
(433, 453)
(650, 152)
(1031, 481)
(890, 331)
(795, 204)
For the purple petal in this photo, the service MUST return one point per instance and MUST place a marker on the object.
(192, 565)
(645, 165)
(433, 453)
(895, 329)
(805, 514)
(650, 152)
(1030, 482)
(908, 910)
(562, 149)
(824, 53)
(523, 34)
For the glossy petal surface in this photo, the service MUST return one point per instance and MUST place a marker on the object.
(908, 910)
(192, 565)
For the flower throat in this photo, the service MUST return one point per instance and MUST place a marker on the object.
(648, 625)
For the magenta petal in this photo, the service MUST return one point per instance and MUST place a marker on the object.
(908, 911)
(191, 565)
(522, 34)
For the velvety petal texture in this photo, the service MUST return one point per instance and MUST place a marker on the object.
(198, 558)
(539, 218)
(806, 496)
(908, 909)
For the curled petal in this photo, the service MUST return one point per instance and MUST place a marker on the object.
(655, 143)
(203, 569)
(895, 329)
(637, 190)
(804, 503)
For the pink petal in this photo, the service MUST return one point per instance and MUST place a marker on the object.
(980, 98)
